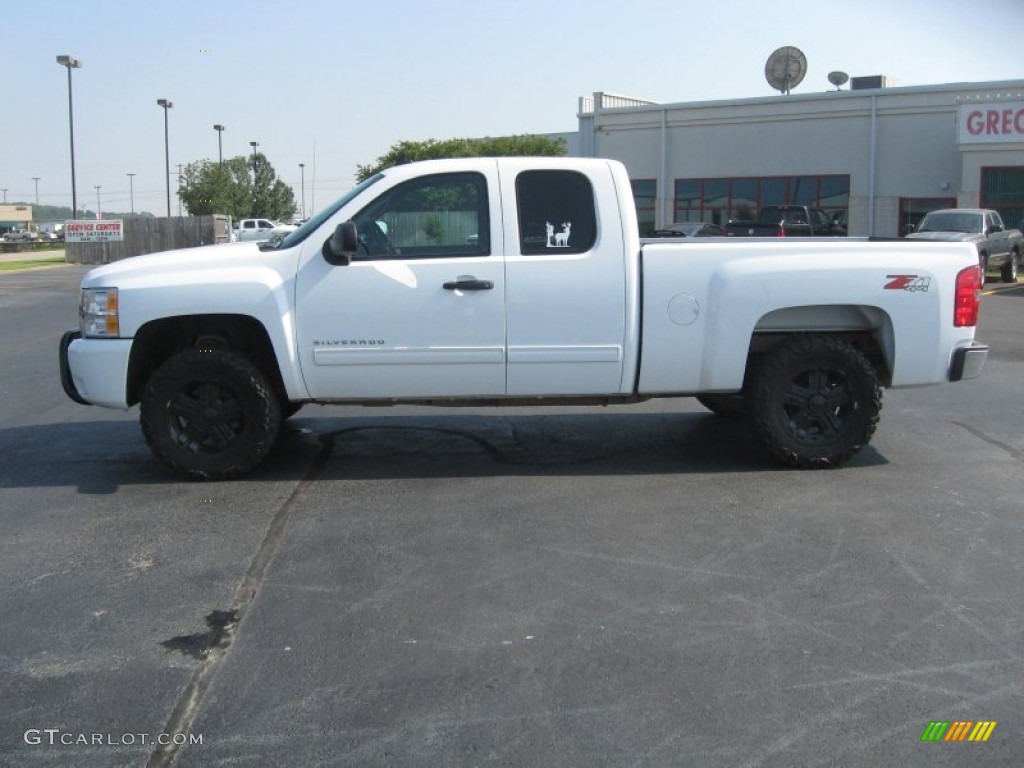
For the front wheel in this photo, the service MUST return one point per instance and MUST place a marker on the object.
(814, 401)
(1009, 270)
(210, 414)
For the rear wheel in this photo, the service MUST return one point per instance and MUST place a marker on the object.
(983, 263)
(814, 401)
(210, 414)
(1009, 270)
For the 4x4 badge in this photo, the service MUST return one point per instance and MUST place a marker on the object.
(911, 283)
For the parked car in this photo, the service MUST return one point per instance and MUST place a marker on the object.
(689, 229)
(48, 236)
(20, 235)
(788, 221)
(998, 247)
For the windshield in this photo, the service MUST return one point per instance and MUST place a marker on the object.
(300, 234)
(951, 222)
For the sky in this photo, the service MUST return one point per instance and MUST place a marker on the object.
(334, 83)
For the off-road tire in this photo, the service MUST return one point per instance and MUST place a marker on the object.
(1009, 269)
(729, 406)
(210, 414)
(814, 401)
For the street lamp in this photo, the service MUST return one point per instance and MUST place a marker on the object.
(99, 210)
(254, 144)
(167, 104)
(71, 63)
(131, 190)
(302, 170)
(36, 180)
(220, 151)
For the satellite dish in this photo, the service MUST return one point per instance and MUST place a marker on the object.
(785, 68)
(838, 79)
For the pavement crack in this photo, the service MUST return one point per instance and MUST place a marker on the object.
(213, 645)
(1014, 452)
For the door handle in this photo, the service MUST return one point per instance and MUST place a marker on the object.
(468, 284)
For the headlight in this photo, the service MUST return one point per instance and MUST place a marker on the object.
(97, 313)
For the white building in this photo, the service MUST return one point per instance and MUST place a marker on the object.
(878, 157)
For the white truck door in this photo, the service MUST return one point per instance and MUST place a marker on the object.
(420, 311)
(566, 280)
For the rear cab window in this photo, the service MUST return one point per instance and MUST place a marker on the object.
(557, 215)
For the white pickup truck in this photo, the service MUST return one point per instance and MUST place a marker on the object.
(256, 230)
(516, 281)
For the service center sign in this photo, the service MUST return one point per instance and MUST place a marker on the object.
(93, 231)
(998, 123)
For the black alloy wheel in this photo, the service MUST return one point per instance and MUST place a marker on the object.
(814, 400)
(210, 414)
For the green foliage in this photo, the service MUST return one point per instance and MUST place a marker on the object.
(433, 149)
(63, 213)
(208, 187)
(433, 229)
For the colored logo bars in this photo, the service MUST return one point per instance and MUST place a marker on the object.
(958, 730)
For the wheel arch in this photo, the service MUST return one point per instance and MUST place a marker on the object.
(869, 329)
(158, 340)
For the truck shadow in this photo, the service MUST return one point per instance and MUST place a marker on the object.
(98, 458)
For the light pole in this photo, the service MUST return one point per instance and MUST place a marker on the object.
(167, 104)
(302, 170)
(220, 150)
(131, 190)
(4, 190)
(71, 63)
(254, 144)
(99, 210)
(178, 195)
(36, 180)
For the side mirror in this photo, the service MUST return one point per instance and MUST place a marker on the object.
(341, 246)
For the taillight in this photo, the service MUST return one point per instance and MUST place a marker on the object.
(781, 232)
(967, 297)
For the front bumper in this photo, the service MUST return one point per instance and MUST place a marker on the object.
(66, 380)
(95, 371)
(968, 362)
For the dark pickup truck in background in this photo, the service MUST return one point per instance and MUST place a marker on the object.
(998, 247)
(787, 221)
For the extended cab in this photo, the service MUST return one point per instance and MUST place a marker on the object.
(997, 246)
(515, 281)
(787, 221)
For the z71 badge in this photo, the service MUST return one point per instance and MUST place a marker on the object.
(912, 283)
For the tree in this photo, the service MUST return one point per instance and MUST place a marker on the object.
(433, 149)
(209, 187)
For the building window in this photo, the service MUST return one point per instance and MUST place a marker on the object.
(913, 209)
(720, 201)
(645, 194)
(1003, 190)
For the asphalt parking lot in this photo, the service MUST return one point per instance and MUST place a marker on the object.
(629, 586)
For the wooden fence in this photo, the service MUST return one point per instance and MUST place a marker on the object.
(151, 236)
